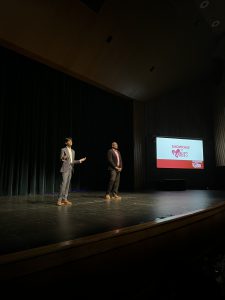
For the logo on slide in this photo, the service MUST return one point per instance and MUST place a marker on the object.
(179, 153)
(196, 164)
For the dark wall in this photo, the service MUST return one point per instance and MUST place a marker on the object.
(219, 121)
(219, 116)
(39, 107)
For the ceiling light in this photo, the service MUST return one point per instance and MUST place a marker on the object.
(204, 4)
(215, 23)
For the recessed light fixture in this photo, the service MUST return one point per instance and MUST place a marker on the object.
(109, 39)
(204, 4)
(152, 68)
(215, 23)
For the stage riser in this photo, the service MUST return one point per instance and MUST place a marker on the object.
(171, 239)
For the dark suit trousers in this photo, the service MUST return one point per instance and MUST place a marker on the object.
(114, 181)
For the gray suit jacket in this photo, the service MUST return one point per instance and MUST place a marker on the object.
(65, 159)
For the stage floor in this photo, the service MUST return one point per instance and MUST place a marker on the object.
(33, 221)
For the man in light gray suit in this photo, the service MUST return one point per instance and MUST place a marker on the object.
(67, 158)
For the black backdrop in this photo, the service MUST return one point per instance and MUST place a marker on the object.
(39, 107)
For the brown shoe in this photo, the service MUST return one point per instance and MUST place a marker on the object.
(60, 203)
(66, 202)
(115, 196)
(107, 197)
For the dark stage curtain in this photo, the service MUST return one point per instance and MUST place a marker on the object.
(39, 107)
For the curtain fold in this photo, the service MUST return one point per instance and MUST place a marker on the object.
(39, 107)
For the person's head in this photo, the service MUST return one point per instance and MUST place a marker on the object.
(114, 145)
(68, 141)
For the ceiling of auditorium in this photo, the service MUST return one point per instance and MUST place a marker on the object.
(140, 49)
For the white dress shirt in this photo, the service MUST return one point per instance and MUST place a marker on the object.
(70, 153)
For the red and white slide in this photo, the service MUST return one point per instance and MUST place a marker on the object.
(179, 153)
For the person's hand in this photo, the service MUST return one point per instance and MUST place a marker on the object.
(83, 159)
(118, 169)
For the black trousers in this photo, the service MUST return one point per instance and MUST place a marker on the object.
(114, 182)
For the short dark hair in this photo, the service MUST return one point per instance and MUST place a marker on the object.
(68, 139)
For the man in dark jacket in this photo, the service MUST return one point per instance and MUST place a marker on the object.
(115, 166)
